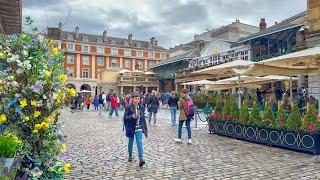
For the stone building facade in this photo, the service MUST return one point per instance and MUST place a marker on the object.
(10, 17)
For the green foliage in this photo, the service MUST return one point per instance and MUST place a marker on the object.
(244, 114)
(9, 145)
(293, 123)
(309, 121)
(255, 117)
(226, 107)
(281, 118)
(234, 111)
(267, 115)
(219, 106)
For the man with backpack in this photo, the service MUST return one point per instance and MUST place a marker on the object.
(187, 111)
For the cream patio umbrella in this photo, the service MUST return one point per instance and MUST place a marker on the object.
(201, 82)
(305, 62)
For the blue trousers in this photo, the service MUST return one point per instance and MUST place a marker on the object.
(173, 111)
(188, 121)
(138, 135)
(113, 110)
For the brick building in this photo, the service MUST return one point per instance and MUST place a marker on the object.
(87, 54)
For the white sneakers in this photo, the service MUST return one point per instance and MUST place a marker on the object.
(180, 141)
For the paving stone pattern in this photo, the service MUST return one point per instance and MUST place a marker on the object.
(98, 150)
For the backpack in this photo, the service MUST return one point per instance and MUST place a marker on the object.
(189, 108)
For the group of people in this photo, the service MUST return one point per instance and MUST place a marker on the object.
(135, 121)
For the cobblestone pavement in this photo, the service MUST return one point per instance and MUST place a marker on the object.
(98, 150)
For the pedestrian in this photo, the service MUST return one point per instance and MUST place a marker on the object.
(303, 93)
(88, 102)
(183, 117)
(101, 104)
(135, 124)
(114, 104)
(96, 103)
(153, 106)
(173, 106)
(278, 91)
(146, 99)
(108, 101)
(79, 100)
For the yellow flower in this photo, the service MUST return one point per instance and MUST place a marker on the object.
(54, 51)
(35, 131)
(72, 92)
(23, 103)
(26, 119)
(63, 148)
(1, 88)
(1, 55)
(63, 78)
(47, 74)
(49, 119)
(37, 126)
(44, 126)
(34, 102)
(67, 168)
(37, 113)
(3, 118)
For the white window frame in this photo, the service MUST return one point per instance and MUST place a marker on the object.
(151, 63)
(100, 58)
(139, 63)
(100, 49)
(70, 70)
(127, 52)
(162, 55)
(83, 48)
(72, 58)
(151, 54)
(83, 72)
(139, 53)
(127, 63)
(114, 51)
(83, 62)
(112, 62)
(69, 45)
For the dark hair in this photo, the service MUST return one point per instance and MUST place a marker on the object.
(135, 94)
(184, 91)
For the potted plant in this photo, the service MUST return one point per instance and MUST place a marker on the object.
(293, 122)
(9, 145)
(281, 117)
(255, 117)
(267, 115)
(244, 114)
(309, 121)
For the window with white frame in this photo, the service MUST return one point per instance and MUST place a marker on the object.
(114, 51)
(114, 62)
(100, 50)
(100, 61)
(163, 55)
(127, 63)
(85, 73)
(70, 59)
(70, 72)
(151, 54)
(85, 48)
(138, 65)
(139, 53)
(70, 47)
(127, 52)
(151, 63)
(85, 60)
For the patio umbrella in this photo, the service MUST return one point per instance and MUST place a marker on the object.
(201, 82)
(85, 91)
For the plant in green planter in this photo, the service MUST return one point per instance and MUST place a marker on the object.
(255, 117)
(309, 121)
(281, 117)
(226, 110)
(234, 111)
(267, 116)
(219, 106)
(244, 114)
(293, 123)
(9, 145)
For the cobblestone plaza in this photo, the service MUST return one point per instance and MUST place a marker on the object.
(98, 150)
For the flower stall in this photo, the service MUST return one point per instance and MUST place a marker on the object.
(274, 126)
(32, 93)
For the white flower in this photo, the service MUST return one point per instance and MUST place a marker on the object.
(44, 97)
(25, 53)
(11, 77)
(55, 95)
(20, 70)
(15, 83)
(13, 58)
(17, 95)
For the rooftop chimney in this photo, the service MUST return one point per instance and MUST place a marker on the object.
(77, 32)
(105, 36)
(156, 43)
(130, 39)
(153, 41)
(263, 24)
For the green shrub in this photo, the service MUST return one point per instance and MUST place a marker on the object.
(244, 114)
(267, 116)
(9, 145)
(309, 121)
(281, 118)
(293, 123)
(255, 117)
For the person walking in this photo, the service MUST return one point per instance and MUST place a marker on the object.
(108, 101)
(114, 104)
(88, 102)
(135, 125)
(183, 117)
(173, 106)
(96, 103)
(153, 106)
(79, 101)
(101, 104)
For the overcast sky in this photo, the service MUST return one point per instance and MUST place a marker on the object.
(172, 22)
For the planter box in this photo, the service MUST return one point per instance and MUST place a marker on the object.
(298, 141)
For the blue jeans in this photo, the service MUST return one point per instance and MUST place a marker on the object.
(188, 121)
(138, 135)
(173, 111)
(100, 109)
(113, 110)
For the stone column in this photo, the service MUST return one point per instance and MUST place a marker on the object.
(121, 62)
(176, 88)
(93, 67)
(146, 64)
(78, 65)
(146, 89)
(121, 90)
(133, 64)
